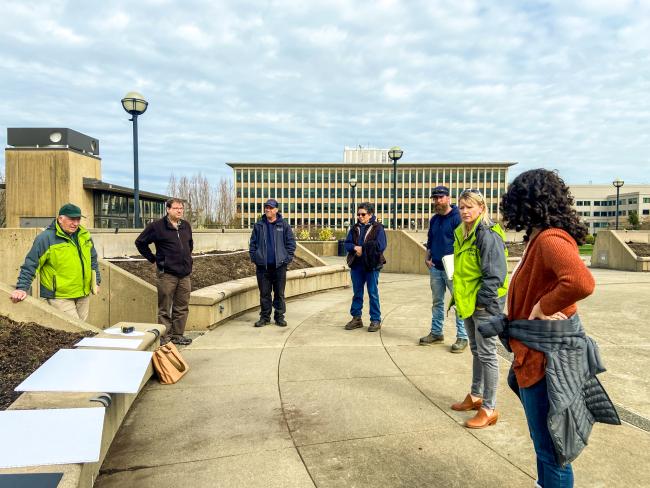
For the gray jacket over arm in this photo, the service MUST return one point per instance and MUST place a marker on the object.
(577, 399)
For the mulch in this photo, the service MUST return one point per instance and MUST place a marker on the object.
(515, 249)
(641, 249)
(24, 346)
(207, 270)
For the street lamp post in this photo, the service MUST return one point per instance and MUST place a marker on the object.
(353, 186)
(395, 153)
(135, 104)
(618, 183)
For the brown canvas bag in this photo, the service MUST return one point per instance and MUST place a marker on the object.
(169, 364)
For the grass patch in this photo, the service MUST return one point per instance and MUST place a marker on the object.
(586, 249)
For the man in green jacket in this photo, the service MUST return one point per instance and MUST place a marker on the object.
(65, 258)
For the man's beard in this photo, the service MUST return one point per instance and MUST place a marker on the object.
(440, 208)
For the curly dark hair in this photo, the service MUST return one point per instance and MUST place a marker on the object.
(540, 198)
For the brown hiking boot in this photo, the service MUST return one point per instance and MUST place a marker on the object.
(459, 346)
(355, 323)
(374, 326)
(429, 339)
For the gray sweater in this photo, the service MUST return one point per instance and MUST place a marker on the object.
(576, 397)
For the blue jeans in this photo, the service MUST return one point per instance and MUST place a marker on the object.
(440, 283)
(549, 473)
(362, 277)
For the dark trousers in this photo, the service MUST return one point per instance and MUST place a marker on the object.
(173, 303)
(272, 278)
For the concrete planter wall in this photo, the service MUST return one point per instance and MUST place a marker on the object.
(611, 251)
(322, 248)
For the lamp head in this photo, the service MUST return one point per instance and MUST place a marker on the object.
(618, 182)
(395, 153)
(134, 103)
(352, 182)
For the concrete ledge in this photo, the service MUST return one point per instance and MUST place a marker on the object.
(213, 304)
(84, 474)
(36, 310)
(322, 248)
(611, 252)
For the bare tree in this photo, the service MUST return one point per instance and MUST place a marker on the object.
(225, 202)
(204, 205)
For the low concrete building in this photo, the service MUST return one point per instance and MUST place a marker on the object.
(47, 167)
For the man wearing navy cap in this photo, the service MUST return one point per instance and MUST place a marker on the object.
(65, 258)
(440, 243)
(272, 247)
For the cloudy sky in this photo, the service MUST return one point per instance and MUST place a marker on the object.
(560, 84)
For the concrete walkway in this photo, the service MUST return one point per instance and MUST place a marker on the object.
(315, 405)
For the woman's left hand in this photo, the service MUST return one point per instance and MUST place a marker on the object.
(538, 314)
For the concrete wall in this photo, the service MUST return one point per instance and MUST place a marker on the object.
(39, 181)
(213, 304)
(611, 251)
(404, 254)
(38, 311)
(322, 248)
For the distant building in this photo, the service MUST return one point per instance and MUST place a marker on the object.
(596, 204)
(45, 168)
(313, 194)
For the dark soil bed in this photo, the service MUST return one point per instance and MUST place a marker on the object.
(641, 249)
(23, 348)
(515, 249)
(207, 270)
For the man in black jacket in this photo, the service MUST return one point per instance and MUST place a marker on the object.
(172, 237)
(272, 247)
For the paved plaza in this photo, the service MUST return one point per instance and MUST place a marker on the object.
(315, 405)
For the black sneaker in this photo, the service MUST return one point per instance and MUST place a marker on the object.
(355, 323)
(429, 339)
(262, 322)
(181, 340)
(280, 322)
(374, 326)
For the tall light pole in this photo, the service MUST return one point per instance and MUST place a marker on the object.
(618, 183)
(353, 186)
(135, 104)
(395, 153)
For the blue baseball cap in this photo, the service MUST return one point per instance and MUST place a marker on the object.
(271, 203)
(440, 191)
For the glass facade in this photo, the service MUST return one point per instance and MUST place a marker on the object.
(116, 210)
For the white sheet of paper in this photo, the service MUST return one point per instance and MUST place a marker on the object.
(448, 264)
(103, 342)
(51, 436)
(90, 370)
(118, 331)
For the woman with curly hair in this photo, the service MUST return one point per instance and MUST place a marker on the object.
(545, 334)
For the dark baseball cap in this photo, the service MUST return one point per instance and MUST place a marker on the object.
(271, 203)
(440, 191)
(71, 210)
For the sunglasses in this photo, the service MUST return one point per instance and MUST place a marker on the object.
(361, 214)
(471, 190)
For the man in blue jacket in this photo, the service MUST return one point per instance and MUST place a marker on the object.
(365, 244)
(272, 247)
(440, 242)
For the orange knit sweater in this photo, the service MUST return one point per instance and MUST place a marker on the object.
(553, 274)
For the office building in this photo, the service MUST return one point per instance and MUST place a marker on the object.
(313, 194)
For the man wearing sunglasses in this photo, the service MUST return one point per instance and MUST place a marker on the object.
(365, 244)
(440, 243)
(272, 247)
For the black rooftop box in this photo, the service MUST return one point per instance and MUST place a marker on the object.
(52, 137)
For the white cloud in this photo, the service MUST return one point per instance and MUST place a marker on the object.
(551, 83)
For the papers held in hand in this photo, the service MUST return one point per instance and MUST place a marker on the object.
(448, 264)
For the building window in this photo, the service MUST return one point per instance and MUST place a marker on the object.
(646, 211)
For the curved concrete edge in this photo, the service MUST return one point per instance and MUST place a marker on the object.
(211, 305)
(84, 474)
(36, 310)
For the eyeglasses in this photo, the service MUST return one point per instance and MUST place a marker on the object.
(177, 208)
(361, 214)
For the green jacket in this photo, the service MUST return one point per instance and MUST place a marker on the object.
(480, 268)
(64, 263)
